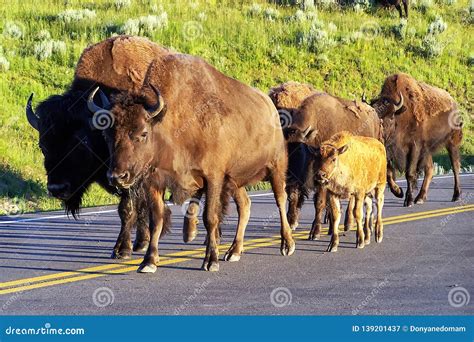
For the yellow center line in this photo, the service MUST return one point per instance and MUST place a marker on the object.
(182, 256)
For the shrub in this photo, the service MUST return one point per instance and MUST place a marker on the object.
(437, 26)
(119, 4)
(424, 5)
(400, 30)
(46, 48)
(12, 30)
(316, 39)
(431, 47)
(470, 60)
(4, 64)
(70, 15)
(145, 25)
(43, 35)
(326, 3)
(255, 10)
(131, 27)
(271, 14)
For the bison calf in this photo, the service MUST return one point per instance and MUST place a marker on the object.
(353, 165)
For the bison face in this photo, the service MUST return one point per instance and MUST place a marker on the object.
(71, 157)
(296, 135)
(328, 157)
(130, 138)
(388, 109)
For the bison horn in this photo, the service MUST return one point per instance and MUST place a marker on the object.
(158, 107)
(399, 105)
(33, 119)
(91, 104)
(364, 99)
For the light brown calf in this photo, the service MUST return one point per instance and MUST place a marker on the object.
(353, 165)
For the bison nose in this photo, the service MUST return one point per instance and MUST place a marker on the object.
(60, 190)
(119, 178)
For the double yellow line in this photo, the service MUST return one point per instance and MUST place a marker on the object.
(178, 257)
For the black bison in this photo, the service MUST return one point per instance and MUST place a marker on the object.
(287, 97)
(344, 172)
(231, 138)
(75, 152)
(398, 6)
(418, 119)
(318, 118)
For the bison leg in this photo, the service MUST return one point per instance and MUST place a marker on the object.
(358, 214)
(368, 219)
(191, 221)
(142, 239)
(242, 201)
(349, 218)
(421, 198)
(405, 5)
(319, 205)
(410, 174)
(277, 180)
(399, 9)
(157, 215)
(212, 210)
(335, 207)
(391, 178)
(127, 214)
(296, 200)
(379, 197)
(455, 158)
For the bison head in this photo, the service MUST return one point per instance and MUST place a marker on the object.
(387, 109)
(130, 138)
(328, 156)
(69, 147)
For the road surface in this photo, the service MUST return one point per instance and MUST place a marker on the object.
(51, 264)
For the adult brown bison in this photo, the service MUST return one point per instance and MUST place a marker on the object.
(318, 118)
(287, 97)
(418, 119)
(232, 138)
(398, 6)
(75, 152)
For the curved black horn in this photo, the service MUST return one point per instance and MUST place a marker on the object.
(364, 98)
(399, 105)
(158, 107)
(90, 101)
(33, 119)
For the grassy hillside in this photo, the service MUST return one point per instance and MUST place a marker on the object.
(344, 51)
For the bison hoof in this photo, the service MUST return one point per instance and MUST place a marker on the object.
(212, 266)
(408, 203)
(456, 197)
(314, 236)
(294, 225)
(140, 246)
(147, 268)
(367, 241)
(420, 199)
(332, 248)
(124, 255)
(360, 244)
(287, 248)
(378, 239)
(232, 256)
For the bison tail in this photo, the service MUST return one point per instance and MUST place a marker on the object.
(396, 190)
(166, 222)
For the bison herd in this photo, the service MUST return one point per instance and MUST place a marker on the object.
(141, 120)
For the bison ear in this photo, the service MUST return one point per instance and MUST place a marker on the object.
(342, 149)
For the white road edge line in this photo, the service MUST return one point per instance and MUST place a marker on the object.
(171, 204)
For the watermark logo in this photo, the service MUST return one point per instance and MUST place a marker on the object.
(103, 296)
(103, 119)
(192, 30)
(281, 297)
(458, 297)
(286, 118)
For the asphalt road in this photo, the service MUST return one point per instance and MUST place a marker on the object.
(50, 264)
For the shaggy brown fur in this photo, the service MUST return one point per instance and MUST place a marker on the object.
(353, 165)
(427, 120)
(202, 132)
(289, 95)
(118, 63)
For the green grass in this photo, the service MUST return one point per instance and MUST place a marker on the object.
(251, 48)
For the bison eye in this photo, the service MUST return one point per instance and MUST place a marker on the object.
(143, 137)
